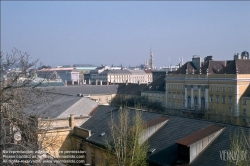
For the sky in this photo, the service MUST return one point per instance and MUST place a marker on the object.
(123, 32)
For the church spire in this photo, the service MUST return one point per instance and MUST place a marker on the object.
(151, 59)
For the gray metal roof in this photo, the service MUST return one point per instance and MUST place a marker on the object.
(138, 72)
(87, 89)
(164, 140)
(62, 106)
(115, 72)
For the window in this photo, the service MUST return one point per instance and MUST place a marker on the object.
(183, 105)
(183, 96)
(173, 96)
(211, 88)
(92, 158)
(223, 99)
(230, 100)
(217, 88)
(178, 96)
(223, 89)
(244, 111)
(178, 86)
(169, 95)
(179, 105)
(230, 89)
(211, 98)
(217, 99)
(230, 110)
(244, 102)
(202, 88)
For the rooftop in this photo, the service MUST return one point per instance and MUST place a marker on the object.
(196, 136)
(164, 140)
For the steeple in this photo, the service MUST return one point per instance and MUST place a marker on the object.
(151, 59)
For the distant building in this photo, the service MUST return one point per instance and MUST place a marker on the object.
(156, 91)
(67, 75)
(84, 67)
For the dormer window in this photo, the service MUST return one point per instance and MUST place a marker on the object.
(192, 145)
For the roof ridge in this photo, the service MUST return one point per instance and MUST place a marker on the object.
(68, 108)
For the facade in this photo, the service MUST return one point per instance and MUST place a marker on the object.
(150, 75)
(156, 91)
(217, 86)
(67, 75)
(117, 76)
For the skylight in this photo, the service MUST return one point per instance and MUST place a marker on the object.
(102, 134)
(151, 150)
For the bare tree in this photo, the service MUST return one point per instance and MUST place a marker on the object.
(18, 131)
(126, 146)
(239, 153)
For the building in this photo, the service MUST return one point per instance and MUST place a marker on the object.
(150, 75)
(130, 90)
(158, 73)
(172, 140)
(212, 85)
(101, 94)
(106, 76)
(56, 119)
(156, 91)
(67, 75)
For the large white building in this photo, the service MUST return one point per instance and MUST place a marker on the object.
(120, 76)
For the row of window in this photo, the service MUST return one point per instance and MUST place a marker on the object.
(202, 88)
(223, 99)
(217, 89)
(176, 105)
(178, 96)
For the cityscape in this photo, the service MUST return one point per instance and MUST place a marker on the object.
(94, 91)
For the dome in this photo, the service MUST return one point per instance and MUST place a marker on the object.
(244, 55)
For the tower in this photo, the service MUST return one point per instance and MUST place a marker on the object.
(151, 60)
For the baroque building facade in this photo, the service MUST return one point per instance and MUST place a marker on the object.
(218, 86)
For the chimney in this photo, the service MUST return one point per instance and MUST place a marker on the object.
(208, 58)
(72, 121)
(197, 61)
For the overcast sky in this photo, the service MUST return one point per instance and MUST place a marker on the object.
(122, 32)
